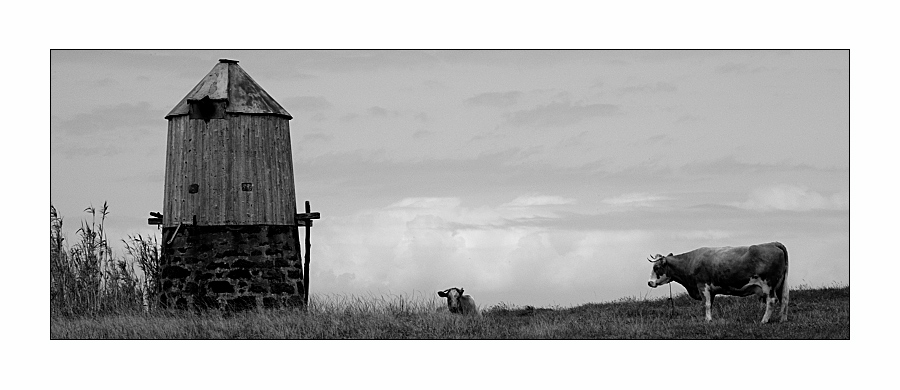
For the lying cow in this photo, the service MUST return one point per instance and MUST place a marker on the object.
(459, 303)
(745, 270)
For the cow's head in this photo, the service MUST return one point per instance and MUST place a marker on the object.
(659, 275)
(453, 295)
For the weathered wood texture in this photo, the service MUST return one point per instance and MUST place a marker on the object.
(228, 81)
(220, 155)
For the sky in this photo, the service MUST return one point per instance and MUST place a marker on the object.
(540, 178)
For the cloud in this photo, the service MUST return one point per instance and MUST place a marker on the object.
(659, 139)
(520, 255)
(317, 137)
(638, 199)
(368, 60)
(109, 130)
(738, 68)
(426, 203)
(306, 103)
(495, 99)
(794, 198)
(107, 82)
(110, 119)
(137, 61)
(349, 117)
(377, 111)
(421, 134)
(729, 165)
(686, 119)
(428, 243)
(703, 235)
(659, 87)
(538, 200)
(561, 114)
(480, 175)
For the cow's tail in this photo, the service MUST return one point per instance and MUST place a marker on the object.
(784, 284)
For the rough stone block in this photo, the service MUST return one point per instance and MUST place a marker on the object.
(243, 264)
(273, 274)
(239, 274)
(176, 272)
(221, 286)
(273, 251)
(281, 288)
(232, 253)
(281, 263)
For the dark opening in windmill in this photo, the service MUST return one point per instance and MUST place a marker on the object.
(207, 109)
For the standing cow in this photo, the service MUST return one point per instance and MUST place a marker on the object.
(760, 270)
(459, 303)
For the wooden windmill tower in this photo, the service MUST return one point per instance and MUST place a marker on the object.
(229, 219)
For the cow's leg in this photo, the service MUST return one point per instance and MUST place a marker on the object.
(783, 298)
(707, 298)
(769, 293)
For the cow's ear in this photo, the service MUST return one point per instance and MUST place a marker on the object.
(670, 255)
(461, 291)
(442, 294)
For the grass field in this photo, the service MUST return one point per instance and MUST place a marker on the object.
(820, 313)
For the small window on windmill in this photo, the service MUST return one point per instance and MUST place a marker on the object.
(207, 109)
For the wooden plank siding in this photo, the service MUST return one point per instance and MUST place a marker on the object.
(219, 156)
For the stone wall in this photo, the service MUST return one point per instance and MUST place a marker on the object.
(232, 267)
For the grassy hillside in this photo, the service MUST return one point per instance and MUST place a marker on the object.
(822, 313)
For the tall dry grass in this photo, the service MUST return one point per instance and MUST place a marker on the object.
(86, 278)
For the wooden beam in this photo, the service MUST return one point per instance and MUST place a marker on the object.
(154, 221)
(306, 260)
(315, 215)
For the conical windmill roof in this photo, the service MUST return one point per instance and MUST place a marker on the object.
(227, 81)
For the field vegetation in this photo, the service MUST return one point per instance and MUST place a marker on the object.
(822, 313)
(97, 296)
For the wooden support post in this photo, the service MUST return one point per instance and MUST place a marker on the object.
(306, 259)
(306, 219)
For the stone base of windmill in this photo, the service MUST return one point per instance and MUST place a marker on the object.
(231, 267)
